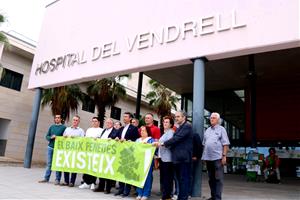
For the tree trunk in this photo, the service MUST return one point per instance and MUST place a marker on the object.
(161, 126)
(101, 115)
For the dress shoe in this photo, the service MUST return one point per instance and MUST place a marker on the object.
(98, 190)
(44, 181)
(71, 185)
(118, 193)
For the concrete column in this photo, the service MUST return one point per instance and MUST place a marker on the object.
(198, 118)
(182, 107)
(139, 96)
(252, 99)
(32, 127)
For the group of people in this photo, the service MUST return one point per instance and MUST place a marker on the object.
(178, 147)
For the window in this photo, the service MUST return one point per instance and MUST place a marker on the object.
(10, 79)
(88, 104)
(115, 113)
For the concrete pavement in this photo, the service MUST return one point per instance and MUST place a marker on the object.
(17, 182)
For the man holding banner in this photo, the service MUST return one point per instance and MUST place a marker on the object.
(181, 145)
(127, 132)
(125, 161)
(57, 129)
(92, 132)
(108, 133)
(73, 131)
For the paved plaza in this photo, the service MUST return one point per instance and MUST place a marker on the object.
(19, 183)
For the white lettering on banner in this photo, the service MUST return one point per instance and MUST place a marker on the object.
(66, 161)
(58, 158)
(202, 26)
(95, 162)
(100, 163)
(89, 154)
(109, 164)
(81, 160)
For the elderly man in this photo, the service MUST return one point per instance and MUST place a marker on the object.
(181, 146)
(215, 142)
(108, 133)
(72, 131)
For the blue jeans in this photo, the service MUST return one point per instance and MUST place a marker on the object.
(183, 173)
(49, 164)
(146, 190)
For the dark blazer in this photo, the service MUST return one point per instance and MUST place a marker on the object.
(113, 134)
(197, 146)
(181, 144)
(132, 133)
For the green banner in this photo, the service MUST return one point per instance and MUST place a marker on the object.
(127, 162)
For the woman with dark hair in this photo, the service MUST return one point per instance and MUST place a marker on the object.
(165, 164)
(144, 193)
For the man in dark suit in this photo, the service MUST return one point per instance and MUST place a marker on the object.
(108, 133)
(127, 132)
(181, 145)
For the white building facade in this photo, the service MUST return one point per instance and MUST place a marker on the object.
(16, 103)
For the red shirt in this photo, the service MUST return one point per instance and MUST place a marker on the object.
(155, 132)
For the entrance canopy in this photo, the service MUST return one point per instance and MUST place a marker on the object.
(82, 41)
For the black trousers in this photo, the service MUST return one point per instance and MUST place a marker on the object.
(89, 179)
(67, 177)
(183, 172)
(105, 184)
(216, 177)
(124, 188)
(166, 175)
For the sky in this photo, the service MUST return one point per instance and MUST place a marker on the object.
(24, 17)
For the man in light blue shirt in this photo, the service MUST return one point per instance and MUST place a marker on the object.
(215, 142)
(72, 131)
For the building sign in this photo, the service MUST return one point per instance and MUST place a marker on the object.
(101, 39)
(198, 28)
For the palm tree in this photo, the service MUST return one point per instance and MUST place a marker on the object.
(106, 93)
(63, 100)
(161, 99)
(3, 38)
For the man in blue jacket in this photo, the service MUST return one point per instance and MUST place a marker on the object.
(130, 133)
(181, 145)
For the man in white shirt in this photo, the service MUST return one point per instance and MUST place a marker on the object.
(109, 132)
(93, 132)
(72, 131)
(130, 133)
